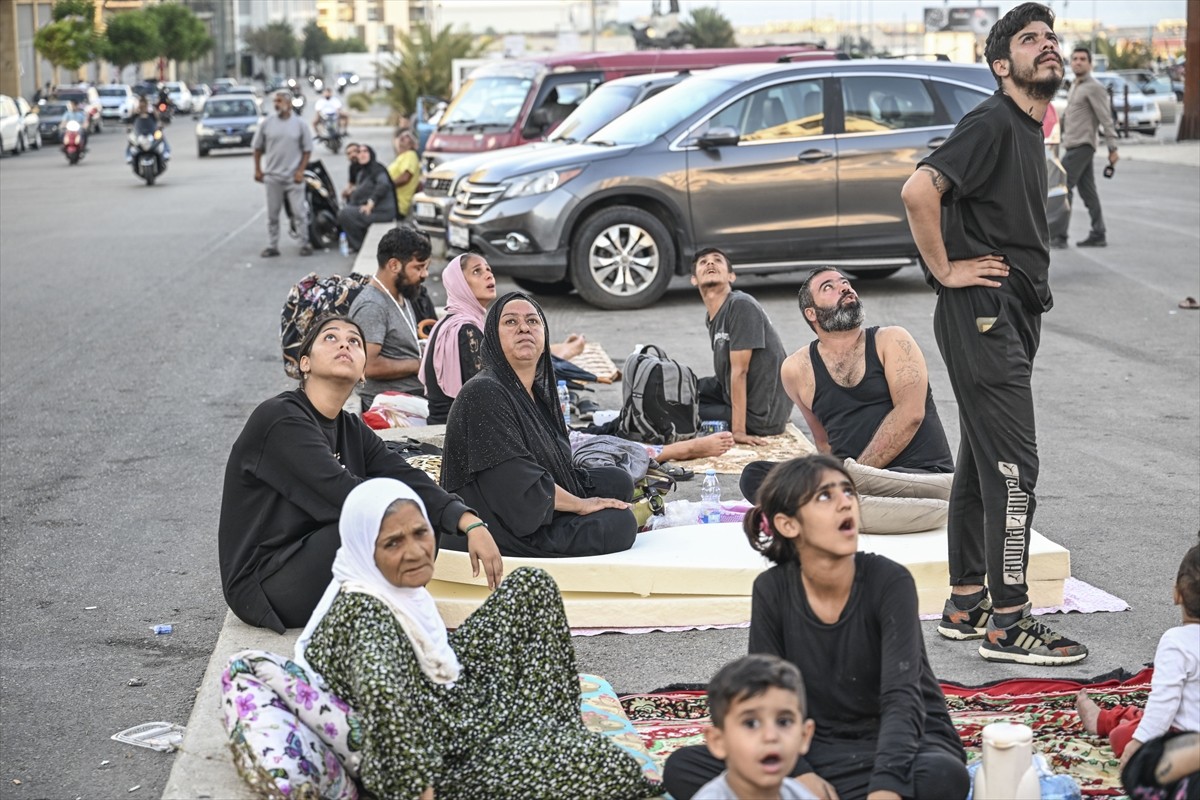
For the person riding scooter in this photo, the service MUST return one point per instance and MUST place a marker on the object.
(328, 104)
(75, 114)
(145, 123)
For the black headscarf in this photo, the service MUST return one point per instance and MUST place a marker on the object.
(372, 167)
(494, 419)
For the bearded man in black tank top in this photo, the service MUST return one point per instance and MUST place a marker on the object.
(865, 394)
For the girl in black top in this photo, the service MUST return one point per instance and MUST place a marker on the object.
(849, 621)
(289, 472)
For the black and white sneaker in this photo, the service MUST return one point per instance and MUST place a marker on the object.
(970, 624)
(1028, 641)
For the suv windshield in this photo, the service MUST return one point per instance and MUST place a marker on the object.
(656, 116)
(113, 92)
(488, 101)
(600, 108)
(230, 108)
(52, 110)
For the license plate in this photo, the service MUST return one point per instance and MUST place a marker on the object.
(458, 236)
(424, 210)
(230, 140)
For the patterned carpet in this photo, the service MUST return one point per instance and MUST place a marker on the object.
(670, 720)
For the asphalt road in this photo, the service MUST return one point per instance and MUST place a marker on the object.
(139, 328)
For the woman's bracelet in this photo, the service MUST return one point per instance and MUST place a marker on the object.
(474, 526)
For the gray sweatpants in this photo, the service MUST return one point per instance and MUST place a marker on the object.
(276, 189)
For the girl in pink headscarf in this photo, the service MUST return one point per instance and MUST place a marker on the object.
(453, 353)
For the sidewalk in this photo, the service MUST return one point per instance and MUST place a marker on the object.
(1185, 154)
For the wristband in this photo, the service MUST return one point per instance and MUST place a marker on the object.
(474, 526)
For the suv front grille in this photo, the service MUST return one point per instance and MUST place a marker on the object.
(438, 187)
(474, 198)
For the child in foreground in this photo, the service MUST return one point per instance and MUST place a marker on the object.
(759, 728)
(1174, 702)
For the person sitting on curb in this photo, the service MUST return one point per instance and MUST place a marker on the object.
(388, 312)
(747, 354)
(488, 710)
(865, 394)
(373, 199)
(288, 474)
(507, 453)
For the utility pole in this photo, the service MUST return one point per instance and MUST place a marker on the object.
(592, 3)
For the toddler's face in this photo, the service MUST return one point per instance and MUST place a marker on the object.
(760, 741)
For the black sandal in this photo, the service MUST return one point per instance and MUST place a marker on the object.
(677, 472)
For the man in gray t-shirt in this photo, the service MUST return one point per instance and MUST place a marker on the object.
(282, 145)
(385, 311)
(747, 354)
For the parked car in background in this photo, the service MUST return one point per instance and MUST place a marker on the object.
(433, 201)
(31, 124)
(200, 94)
(229, 120)
(245, 91)
(784, 166)
(10, 126)
(50, 114)
(513, 102)
(117, 101)
(1155, 87)
(88, 100)
(1144, 116)
(222, 84)
(181, 96)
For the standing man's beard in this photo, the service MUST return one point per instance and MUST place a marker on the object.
(841, 317)
(1043, 89)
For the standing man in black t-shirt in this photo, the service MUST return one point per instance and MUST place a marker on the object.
(747, 354)
(977, 210)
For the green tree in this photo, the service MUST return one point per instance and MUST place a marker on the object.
(351, 44)
(275, 41)
(708, 27)
(316, 43)
(70, 40)
(426, 65)
(182, 36)
(131, 38)
(1131, 55)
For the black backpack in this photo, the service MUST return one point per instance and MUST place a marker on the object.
(661, 404)
(313, 297)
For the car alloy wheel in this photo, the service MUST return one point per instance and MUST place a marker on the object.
(623, 258)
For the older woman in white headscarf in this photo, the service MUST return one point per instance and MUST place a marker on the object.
(490, 710)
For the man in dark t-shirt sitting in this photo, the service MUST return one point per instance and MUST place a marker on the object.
(865, 394)
(747, 353)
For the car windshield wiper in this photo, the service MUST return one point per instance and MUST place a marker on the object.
(478, 126)
(602, 142)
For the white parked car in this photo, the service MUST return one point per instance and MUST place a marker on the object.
(117, 101)
(10, 126)
(1144, 114)
(181, 96)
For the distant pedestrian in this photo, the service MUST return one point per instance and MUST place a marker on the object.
(991, 273)
(1089, 110)
(287, 143)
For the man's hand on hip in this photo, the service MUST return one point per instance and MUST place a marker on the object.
(973, 272)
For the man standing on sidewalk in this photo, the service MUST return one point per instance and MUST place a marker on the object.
(1088, 110)
(287, 143)
(977, 210)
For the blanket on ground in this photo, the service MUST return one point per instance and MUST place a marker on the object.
(669, 720)
(789, 444)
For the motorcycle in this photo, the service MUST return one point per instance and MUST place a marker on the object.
(72, 142)
(148, 148)
(331, 132)
(322, 199)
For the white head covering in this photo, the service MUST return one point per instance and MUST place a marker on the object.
(354, 570)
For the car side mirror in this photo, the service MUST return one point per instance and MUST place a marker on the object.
(718, 137)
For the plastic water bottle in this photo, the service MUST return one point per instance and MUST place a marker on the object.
(710, 499)
(564, 402)
(343, 244)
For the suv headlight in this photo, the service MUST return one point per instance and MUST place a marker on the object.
(202, 130)
(541, 182)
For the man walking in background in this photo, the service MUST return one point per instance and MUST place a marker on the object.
(1088, 110)
(282, 145)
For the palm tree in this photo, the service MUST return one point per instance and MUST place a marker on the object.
(708, 27)
(426, 65)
